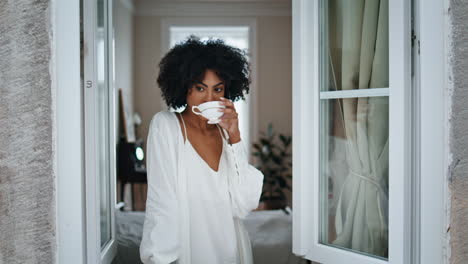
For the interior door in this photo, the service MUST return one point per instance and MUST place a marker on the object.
(99, 98)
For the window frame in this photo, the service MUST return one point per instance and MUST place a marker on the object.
(69, 154)
(306, 103)
(94, 252)
(431, 76)
(433, 158)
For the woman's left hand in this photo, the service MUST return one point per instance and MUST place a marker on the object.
(229, 120)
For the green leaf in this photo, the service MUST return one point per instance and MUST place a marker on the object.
(283, 138)
(264, 141)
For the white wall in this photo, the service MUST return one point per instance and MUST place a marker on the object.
(146, 47)
(123, 26)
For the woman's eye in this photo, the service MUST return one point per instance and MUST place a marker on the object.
(218, 90)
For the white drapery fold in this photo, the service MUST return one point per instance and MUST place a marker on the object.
(360, 55)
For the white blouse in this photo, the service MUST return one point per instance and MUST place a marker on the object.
(212, 231)
(170, 214)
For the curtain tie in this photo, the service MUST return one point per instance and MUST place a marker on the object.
(380, 189)
(367, 179)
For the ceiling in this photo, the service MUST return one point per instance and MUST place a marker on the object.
(210, 7)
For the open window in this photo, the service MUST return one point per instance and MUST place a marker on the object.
(99, 135)
(351, 126)
(78, 223)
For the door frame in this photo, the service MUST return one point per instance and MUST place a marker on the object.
(69, 136)
(72, 215)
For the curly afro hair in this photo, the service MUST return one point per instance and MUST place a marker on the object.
(186, 63)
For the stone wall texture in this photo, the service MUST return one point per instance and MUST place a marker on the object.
(27, 178)
(458, 173)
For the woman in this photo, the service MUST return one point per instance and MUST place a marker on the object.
(200, 184)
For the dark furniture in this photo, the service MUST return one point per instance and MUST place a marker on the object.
(130, 169)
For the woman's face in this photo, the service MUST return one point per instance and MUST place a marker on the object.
(211, 88)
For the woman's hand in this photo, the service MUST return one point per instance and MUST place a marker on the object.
(229, 121)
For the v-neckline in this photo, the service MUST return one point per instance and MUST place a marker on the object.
(203, 161)
(196, 152)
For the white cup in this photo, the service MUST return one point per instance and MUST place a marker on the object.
(209, 110)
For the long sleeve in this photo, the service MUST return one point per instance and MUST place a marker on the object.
(160, 241)
(245, 184)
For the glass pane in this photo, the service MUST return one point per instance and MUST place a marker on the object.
(354, 44)
(102, 123)
(354, 174)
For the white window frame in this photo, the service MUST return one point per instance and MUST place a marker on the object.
(432, 109)
(75, 225)
(417, 217)
(94, 252)
(69, 141)
(433, 155)
(251, 23)
(306, 100)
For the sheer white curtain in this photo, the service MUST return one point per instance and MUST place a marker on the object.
(360, 61)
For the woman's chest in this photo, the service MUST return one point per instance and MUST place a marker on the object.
(204, 185)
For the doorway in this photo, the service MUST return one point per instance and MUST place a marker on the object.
(129, 40)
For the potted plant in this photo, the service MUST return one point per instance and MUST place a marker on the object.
(274, 160)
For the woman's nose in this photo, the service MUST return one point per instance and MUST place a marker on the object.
(210, 96)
